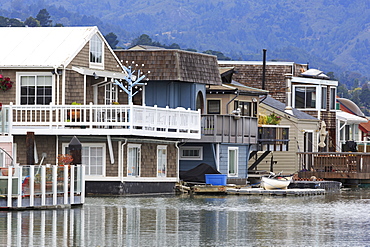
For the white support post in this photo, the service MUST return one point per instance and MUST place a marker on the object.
(19, 183)
(55, 183)
(32, 186)
(72, 185)
(65, 184)
(43, 185)
(10, 189)
(82, 181)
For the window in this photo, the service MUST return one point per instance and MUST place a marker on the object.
(332, 98)
(110, 94)
(36, 89)
(245, 107)
(2, 158)
(161, 161)
(232, 161)
(191, 153)
(305, 97)
(96, 50)
(213, 107)
(324, 96)
(93, 157)
(133, 160)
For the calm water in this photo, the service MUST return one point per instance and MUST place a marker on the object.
(340, 219)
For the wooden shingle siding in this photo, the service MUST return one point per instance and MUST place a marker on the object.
(275, 82)
(44, 144)
(8, 96)
(174, 65)
(149, 160)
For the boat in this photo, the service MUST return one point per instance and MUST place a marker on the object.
(275, 183)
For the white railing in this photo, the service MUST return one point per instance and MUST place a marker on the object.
(41, 186)
(103, 119)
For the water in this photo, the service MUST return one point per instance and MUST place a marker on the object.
(338, 219)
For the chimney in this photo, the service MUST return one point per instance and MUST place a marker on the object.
(264, 69)
(288, 100)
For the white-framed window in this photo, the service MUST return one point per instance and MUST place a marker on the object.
(191, 153)
(2, 159)
(305, 97)
(333, 97)
(161, 161)
(93, 157)
(96, 52)
(35, 88)
(244, 106)
(232, 161)
(111, 93)
(133, 160)
(324, 99)
(213, 106)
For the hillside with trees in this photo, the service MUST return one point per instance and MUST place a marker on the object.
(331, 35)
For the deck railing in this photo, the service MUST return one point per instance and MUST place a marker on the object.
(41, 186)
(101, 119)
(273, 138)
(229, 128)
(335, 162)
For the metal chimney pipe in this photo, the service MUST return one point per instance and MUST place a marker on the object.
(264, 69)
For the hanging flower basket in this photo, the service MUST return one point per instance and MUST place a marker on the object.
(5, 83)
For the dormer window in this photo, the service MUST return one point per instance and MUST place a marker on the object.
(96, 52)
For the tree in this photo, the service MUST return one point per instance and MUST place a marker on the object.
(15, 23)
(31, 22)
(112, 40)
(143, 39)
(44, 18)
(220, 55)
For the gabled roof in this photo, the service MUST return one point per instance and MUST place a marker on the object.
(281, 107)
(42, 46)
(175, 65)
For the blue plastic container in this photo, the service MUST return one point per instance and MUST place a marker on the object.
(216, 179)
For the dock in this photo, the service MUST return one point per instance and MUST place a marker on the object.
(41, 187)
(287, 192)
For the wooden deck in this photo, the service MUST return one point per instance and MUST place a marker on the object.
(339, 166)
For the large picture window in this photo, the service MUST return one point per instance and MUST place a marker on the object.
(36, 89)
(133, 160)
(96, 50)
(305, 97)
(161, 161)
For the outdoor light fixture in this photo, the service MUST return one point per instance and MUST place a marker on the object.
(95, 76)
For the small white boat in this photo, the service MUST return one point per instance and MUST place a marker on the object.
(276, 183)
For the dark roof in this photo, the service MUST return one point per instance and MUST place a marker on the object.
(174, 65)
(236, 87)
(281, 107)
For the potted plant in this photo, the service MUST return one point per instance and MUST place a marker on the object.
(74, 114)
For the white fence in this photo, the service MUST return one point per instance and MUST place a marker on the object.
(90, 119)
(41, 186)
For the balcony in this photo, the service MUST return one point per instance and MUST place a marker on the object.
(228, 129)
(100, 120)
(273, 138)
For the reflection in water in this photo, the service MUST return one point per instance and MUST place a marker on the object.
(337, 219)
